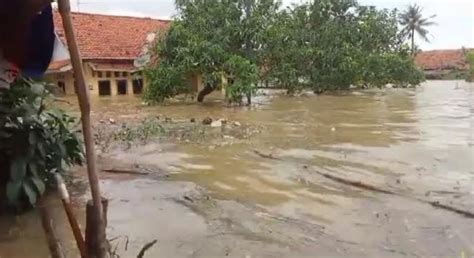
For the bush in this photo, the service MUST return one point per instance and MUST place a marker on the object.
(470, 60)
(244, 75)
(166, 81)
(35, 143)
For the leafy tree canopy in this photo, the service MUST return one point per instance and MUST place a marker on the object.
(323, 45)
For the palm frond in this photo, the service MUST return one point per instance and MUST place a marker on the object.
(422, 33)
(426, 22)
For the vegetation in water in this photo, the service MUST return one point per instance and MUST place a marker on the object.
(214, 39)
(470, 60)
(106, 135)
(35, 143)
(322, 45)
(336, 44)
(206, 132)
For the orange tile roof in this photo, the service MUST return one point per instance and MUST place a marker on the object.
(442, 59)
(110, 37)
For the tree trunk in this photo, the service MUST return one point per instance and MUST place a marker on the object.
(413, 42)
(248, 41)
(204, 92)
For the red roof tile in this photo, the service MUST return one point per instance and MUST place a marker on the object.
(110, 37)
(442, 59)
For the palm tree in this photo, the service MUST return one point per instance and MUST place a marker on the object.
(413, 21)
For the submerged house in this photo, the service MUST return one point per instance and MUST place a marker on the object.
(113, 50)
(439, 64)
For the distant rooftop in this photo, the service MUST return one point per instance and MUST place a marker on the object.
(109, 36)
(443, 59)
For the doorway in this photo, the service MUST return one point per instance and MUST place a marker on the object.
(104, 88)
(137, 86)
(62, 86)
(122, 87)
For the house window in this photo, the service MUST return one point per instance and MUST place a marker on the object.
(104, 88)
(62, 86)
(137, 86)
(122, 87)
(99, 74)
(108, 74)
(117, 74)
(124, 74)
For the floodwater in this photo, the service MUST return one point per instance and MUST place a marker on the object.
(416, 143)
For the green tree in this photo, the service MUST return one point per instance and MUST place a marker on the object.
(287, 58)
(321, 45)
(413, 21)
(204, 39)
(336, 44)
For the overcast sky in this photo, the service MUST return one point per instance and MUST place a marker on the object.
(455, 18)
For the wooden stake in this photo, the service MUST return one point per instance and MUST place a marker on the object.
(84, 103)
(54, 245)
(91, 227)
(76, 230)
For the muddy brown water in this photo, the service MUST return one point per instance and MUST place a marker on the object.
(417, 143)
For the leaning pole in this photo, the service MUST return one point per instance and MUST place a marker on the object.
(84, 104)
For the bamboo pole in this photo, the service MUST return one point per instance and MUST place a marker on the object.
(54, 245)
(91, 226)
(84, 103)
(76, 230)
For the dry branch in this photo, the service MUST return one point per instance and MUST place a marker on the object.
(146, 247)
(267, 156)
(124, 171)
(357, 184)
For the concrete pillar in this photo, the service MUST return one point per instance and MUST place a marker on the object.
(129, 85)
(199, 82)
(95, 86)
(113, 85)
(224, 84)
(69, 81)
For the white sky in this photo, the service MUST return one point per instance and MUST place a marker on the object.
(455, 18)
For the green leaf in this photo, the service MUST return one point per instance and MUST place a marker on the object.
(13, 192)
(30, 192)
(18, 169)
(39, 185)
